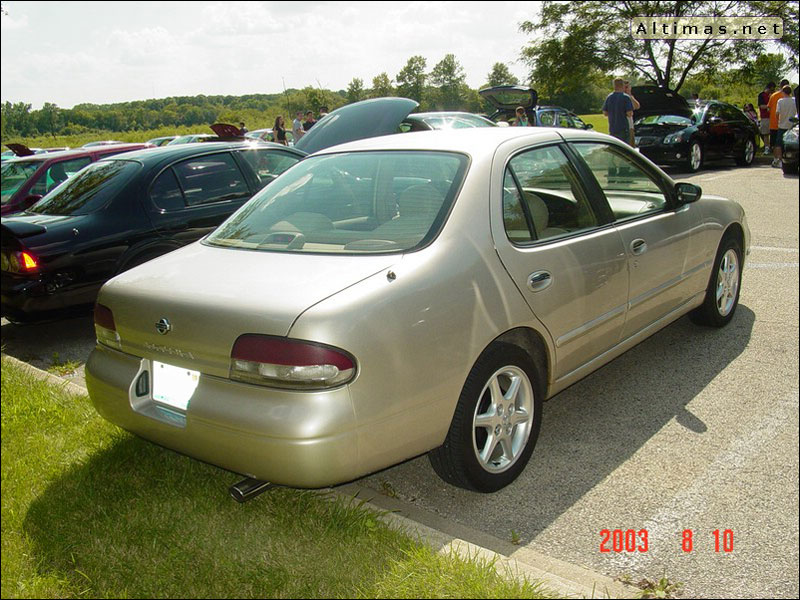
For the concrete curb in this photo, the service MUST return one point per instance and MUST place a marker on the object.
(558, 577)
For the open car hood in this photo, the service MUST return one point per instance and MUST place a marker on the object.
(509, 97)
(656, 100)
(357, 121)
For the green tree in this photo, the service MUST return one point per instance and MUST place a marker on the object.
(449, 80)
(500, 75)
(411, 79)
(355, 90)
(48, 119)
(382, 86)
(598, 34)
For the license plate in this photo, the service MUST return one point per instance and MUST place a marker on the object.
(174, 386)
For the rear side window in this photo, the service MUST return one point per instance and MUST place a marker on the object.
(58, 173)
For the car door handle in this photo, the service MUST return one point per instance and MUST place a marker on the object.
(539, 281)
(638, 247)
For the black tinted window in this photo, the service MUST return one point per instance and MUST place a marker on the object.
(89, 190)
(212, 178)
(166, 193)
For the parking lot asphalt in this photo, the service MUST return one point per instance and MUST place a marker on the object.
(694, 430)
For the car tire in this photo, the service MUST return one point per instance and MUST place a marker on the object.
(696, 157)
(496, 422)
(789, 168)
(745, 158)
(722, 293)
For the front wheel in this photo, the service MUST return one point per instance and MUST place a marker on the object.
(695, 156)
(745, 158)
(496, 422)
(722, 294)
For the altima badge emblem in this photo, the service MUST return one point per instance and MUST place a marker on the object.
(163, 327)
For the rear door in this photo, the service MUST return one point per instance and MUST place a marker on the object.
(564, 256)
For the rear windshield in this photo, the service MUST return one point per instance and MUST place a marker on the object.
(90, 190)
(665, 120)
(15, 174)
(363, 202)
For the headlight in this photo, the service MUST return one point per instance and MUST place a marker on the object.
(674, 138)
(790, 136)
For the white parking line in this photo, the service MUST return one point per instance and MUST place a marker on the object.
(774, 249)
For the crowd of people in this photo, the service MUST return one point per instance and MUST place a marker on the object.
(776, 108)
(302, 122)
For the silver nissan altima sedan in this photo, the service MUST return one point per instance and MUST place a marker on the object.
(413, 293)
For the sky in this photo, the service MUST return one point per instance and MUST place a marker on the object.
(70, 53)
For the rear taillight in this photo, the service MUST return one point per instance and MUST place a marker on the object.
(104, 327)
(292, 364)
(20, 261)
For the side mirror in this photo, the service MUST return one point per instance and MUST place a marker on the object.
(687, 193)
(588, 126)
(794, 120)
(715, 121)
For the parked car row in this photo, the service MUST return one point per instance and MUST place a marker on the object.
(307, 315)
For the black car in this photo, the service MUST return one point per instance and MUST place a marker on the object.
(123, 211)
(670, 131)
(791, 149)
(507, 98)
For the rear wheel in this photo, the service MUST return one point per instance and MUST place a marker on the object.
(496, 422)
(722, 294)
(695, 156)
(745, 157)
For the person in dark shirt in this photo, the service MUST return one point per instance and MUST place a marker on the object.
(309, 122)
(763, 113)
(279, 131)
(242, 129)
(618, 106)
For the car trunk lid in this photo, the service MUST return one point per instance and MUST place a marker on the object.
(509, 97)
(210, 296)
(357, 121)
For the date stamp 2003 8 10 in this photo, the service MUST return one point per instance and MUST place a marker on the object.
(632, 540)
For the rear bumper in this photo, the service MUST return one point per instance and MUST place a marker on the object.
(24, 299)
(300, 439)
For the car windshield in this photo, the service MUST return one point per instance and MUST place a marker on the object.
(14, 174)
(354, 203)
(665, 120)
(457, 121)
(89, 190)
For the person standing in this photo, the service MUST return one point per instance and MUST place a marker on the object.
(617, 108)
(297, 126)
(242, 128)
(636, 106)
(786, 109)
(279, 131)
(763, 113)
(777, 152)
(522, 118)
(309, 122)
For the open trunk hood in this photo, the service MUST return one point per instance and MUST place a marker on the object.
(358, 121)
(509, 97)
(227, 132)
(656, 100)
(20, 149)
(211, 296)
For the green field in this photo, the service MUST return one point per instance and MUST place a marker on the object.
(91, 511)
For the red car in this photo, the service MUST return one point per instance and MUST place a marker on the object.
(27, 178)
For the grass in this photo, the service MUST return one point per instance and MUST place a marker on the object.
(89, 510)
(599, 122)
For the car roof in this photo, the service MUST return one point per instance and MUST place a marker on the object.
(152, 156)
(62, 155)
(473, 141)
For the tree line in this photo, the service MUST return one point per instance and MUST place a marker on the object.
(577, 47)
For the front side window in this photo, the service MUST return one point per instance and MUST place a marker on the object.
(542, 197)
(268, 164)
(89, 190)
(361, 202)
(210, 178)
(547, 118)
(630, 190)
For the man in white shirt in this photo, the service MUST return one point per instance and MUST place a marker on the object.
(785, 109)
(297, 126)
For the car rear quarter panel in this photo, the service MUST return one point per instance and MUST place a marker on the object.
(417, 332)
